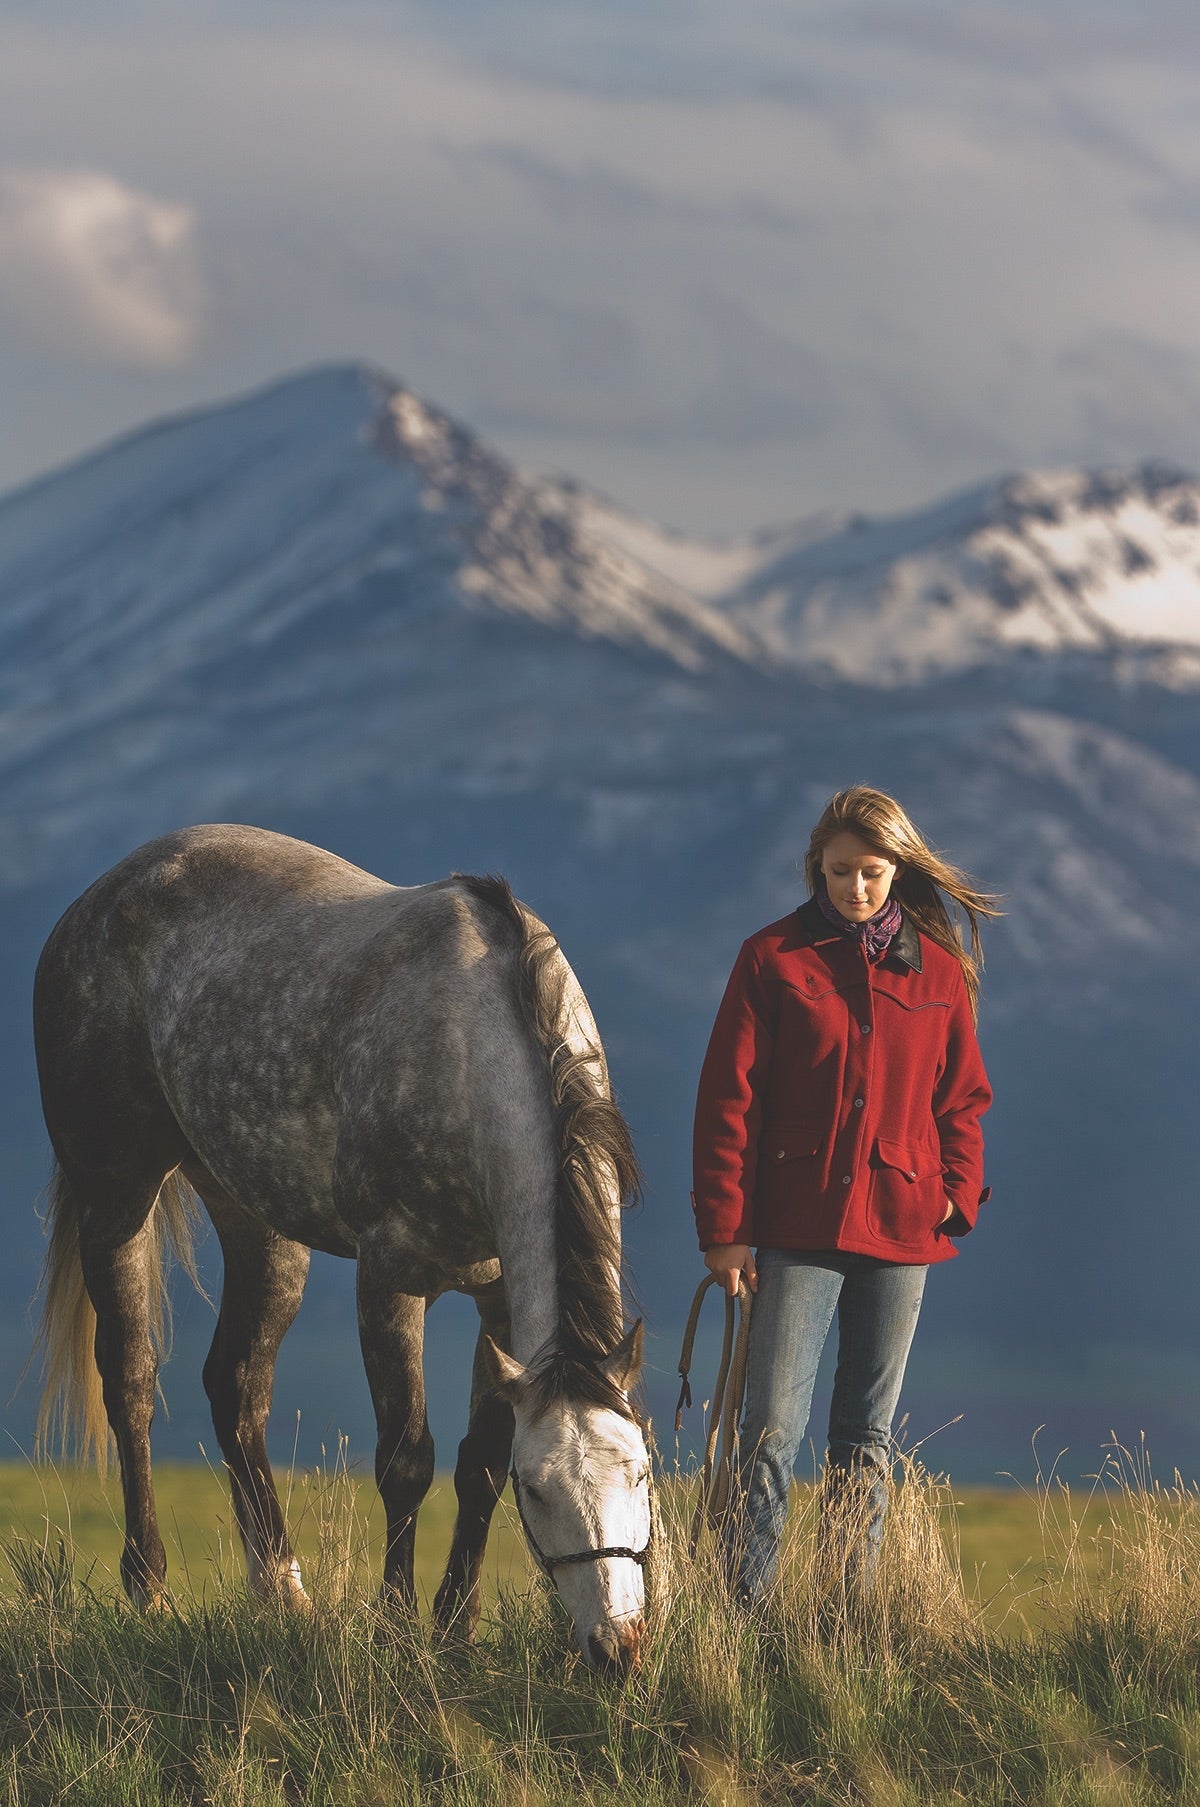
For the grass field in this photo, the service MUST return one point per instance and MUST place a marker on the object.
(1014, 1548)
(1026, 1651)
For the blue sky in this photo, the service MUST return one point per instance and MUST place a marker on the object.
(731, 261)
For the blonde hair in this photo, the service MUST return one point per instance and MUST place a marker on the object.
(879, 820)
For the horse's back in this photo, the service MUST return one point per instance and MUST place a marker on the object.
(278, 1008)
(190, 913)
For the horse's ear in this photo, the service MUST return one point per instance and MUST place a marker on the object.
(507, 1372)
(624, 1365)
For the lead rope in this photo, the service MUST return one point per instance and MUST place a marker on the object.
(716, 1476)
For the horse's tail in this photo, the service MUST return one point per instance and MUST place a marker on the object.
(597, 1165)
(71, 1416)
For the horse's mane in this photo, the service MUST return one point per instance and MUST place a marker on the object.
(595, 1154)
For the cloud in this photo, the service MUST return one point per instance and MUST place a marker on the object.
(1032, 37)
(730, 259)
(92, 266)
(609, 197)
(1135, 393)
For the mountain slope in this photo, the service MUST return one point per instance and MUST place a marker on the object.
(1051, 563)
(1100, 566)
(243, 518)
(247, 579)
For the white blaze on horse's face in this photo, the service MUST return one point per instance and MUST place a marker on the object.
(583, 1488)
(584, 1477)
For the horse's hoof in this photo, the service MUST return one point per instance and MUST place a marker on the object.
(457, 1633)
(455, 1619)
(281, 1587)
(148, 1597)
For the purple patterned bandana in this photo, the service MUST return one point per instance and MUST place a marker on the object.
(875, 933)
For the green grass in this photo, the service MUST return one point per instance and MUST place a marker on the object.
(1076, 1685)
(335, 1521)
(1014, 1547)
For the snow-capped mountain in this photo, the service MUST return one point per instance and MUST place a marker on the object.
(330, 577)
(242, 521)
(330, 609)
(223, 594)
(1095, 564)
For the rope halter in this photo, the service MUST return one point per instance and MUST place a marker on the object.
(548, 1564)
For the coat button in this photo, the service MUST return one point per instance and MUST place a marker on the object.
(780, 1153)
(865, 1027)
(846, 1179)
(858, 1104)
(912, 1173)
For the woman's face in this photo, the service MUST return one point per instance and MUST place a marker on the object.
(859, 877)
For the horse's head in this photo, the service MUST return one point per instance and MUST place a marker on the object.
(581, 1474)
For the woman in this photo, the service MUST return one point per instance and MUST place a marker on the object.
(837, 1127)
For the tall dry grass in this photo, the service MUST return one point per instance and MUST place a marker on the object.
(918, 1700)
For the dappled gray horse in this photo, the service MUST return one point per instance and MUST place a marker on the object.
(411, 1077)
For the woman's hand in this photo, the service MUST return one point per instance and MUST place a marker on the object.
(951, 1207)
(729, 1261)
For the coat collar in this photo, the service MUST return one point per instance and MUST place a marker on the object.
(905, 948)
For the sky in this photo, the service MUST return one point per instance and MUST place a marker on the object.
(732, 262)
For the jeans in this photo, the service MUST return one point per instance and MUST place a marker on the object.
(877, 1305)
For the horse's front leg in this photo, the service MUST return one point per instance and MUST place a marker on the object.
(479, 1477)
(391, 1326)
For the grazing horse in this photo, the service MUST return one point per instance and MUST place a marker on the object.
(407, 1076)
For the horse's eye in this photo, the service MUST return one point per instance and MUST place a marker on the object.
(531, 1493)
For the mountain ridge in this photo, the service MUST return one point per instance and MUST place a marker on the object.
(1040, 562)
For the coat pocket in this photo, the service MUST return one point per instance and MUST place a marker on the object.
(789, 1139)
(787, 1163)
(906, 1201)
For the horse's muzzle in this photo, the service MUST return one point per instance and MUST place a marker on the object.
(617, 1649)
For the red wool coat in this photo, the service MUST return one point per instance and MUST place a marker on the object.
(839, 1101)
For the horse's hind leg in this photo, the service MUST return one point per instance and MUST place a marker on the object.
(479, 1476)
(391, 1326)
(116, 1274)
(260, 1295)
